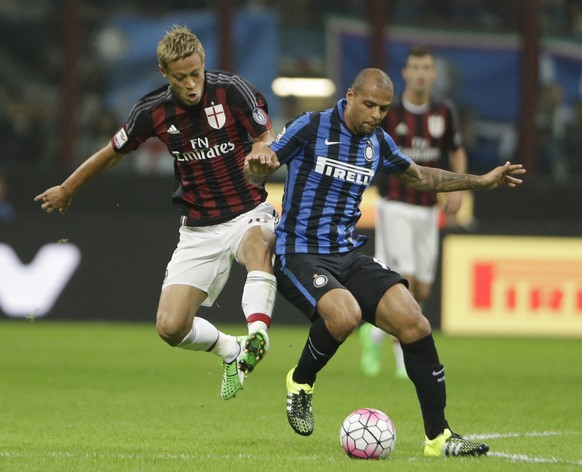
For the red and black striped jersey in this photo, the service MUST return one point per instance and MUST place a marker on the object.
(208, 143)
(427, 135)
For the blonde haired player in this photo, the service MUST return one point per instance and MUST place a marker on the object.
(208, 120)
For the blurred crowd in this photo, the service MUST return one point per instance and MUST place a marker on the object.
(31, 80)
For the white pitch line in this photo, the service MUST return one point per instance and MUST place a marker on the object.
(525, 457)
(532, 460)
(521, 435)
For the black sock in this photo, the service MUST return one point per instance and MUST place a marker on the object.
(319, 348)
(428, 375)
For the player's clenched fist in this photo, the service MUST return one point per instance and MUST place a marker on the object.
(260, 163)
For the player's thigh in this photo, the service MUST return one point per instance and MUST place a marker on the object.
(253, 235)
(201, 260)
(368, 281)
(341, 312)
(399, 314)
(178, 305)
(303, 280)
(256, 248)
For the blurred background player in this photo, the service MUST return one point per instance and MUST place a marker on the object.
(208, 120)
(407, 220)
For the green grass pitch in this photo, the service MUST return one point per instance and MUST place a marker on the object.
(114, 397)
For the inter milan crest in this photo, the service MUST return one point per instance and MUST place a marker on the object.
(216, 116)
(319, 280)
(436, 126)
(369, 151)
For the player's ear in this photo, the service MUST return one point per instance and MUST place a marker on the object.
(163, 71)
(350, 95)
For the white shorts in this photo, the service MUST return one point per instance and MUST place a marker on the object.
(204, 254)
(407, 238)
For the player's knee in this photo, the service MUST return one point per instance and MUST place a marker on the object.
(344, 324)
(263, 251)
(352, 322)
(416, 328)
(258, 252)
(169, 332)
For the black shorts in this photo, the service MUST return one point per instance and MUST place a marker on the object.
(304, 278)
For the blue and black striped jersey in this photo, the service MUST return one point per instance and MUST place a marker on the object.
(328, 170)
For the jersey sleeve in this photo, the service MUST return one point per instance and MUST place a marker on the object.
(392, 159)
(250, 106)
(136, 130)
(293, 138)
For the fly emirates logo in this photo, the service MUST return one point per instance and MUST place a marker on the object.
(343, 171)
(201, 150)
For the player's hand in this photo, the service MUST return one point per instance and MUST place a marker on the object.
(262, 164)
(503, 176)
(54, 199)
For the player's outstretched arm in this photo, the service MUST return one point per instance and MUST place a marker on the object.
(439, 180)
(260, 163)
(58, 198)
(502, 176)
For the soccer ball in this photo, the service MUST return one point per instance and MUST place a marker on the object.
(368, 433)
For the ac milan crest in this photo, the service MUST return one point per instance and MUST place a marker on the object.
(216, 116)
(436, 126)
